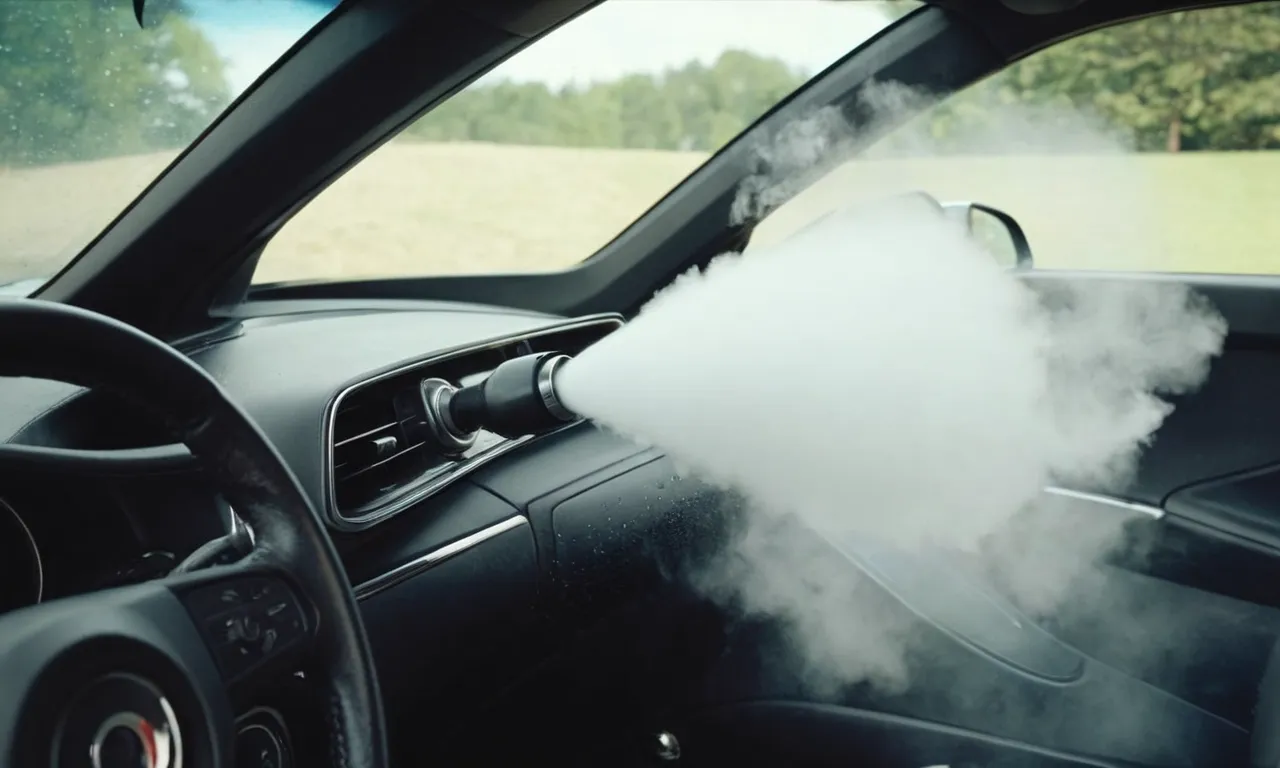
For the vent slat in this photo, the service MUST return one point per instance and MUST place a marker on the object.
(370, 467)
(370, 433)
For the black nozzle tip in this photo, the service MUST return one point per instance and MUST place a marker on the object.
(467, 409)
(518, 398)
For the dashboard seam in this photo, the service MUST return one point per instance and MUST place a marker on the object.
(430, 559)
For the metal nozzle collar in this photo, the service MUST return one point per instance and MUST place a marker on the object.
(547, 388)
(436, 394)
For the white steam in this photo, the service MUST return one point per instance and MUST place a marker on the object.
(878, 374)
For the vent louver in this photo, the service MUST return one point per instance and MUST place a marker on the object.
(378, 445)
(381, 457)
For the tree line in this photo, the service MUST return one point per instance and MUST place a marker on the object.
(80, 81)
(694, 107)
(1193, 80)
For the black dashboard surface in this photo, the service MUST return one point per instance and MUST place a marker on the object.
(285, 364)
(285, 361)
(284, 369)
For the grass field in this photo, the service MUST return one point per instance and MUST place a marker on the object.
(474, 208)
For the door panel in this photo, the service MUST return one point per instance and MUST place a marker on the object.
(1149, 691)
(1232, 424)
(1175, 629)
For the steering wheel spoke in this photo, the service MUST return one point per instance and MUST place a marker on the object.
(252, 618)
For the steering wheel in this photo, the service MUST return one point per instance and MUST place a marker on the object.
(146, 674)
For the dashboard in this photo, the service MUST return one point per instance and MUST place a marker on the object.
(94, 494)
(129, 504)
(489, 564)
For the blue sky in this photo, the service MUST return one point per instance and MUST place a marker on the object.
(251, 34)
(617, 37)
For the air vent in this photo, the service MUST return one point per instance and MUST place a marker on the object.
(381, 459)
(378, 444)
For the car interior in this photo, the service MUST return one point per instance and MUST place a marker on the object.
(241, 528)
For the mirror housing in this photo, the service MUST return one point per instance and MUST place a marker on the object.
(996, 231)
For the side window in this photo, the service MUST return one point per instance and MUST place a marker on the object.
(1150, 146)
(545, 159)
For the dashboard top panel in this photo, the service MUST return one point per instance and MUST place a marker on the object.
(284, 370)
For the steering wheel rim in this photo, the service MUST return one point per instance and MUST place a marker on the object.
(294, 564)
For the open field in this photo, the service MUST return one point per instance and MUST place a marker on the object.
(453, 208)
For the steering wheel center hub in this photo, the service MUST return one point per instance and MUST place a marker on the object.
(119, 720)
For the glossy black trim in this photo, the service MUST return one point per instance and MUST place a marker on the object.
(428, 560)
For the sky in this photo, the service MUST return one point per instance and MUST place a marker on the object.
(251, 34)
(615, 38)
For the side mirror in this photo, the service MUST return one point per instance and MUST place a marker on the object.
(996, 231)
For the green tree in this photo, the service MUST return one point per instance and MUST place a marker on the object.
(1200, 79)
(1182, 75)
(647, 117)
(80, 80)
(590, 117)
(695, 106)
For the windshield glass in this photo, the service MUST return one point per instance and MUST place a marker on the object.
(544, 160)
(93, 108)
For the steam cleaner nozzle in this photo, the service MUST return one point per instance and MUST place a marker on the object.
(518, 398)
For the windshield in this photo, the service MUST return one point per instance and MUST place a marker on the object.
(93, 108)
(547, 158)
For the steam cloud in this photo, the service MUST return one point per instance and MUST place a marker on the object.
(878, 374)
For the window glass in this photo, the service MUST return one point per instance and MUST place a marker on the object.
(1151, 146)
(547, 158)
(93, 107)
